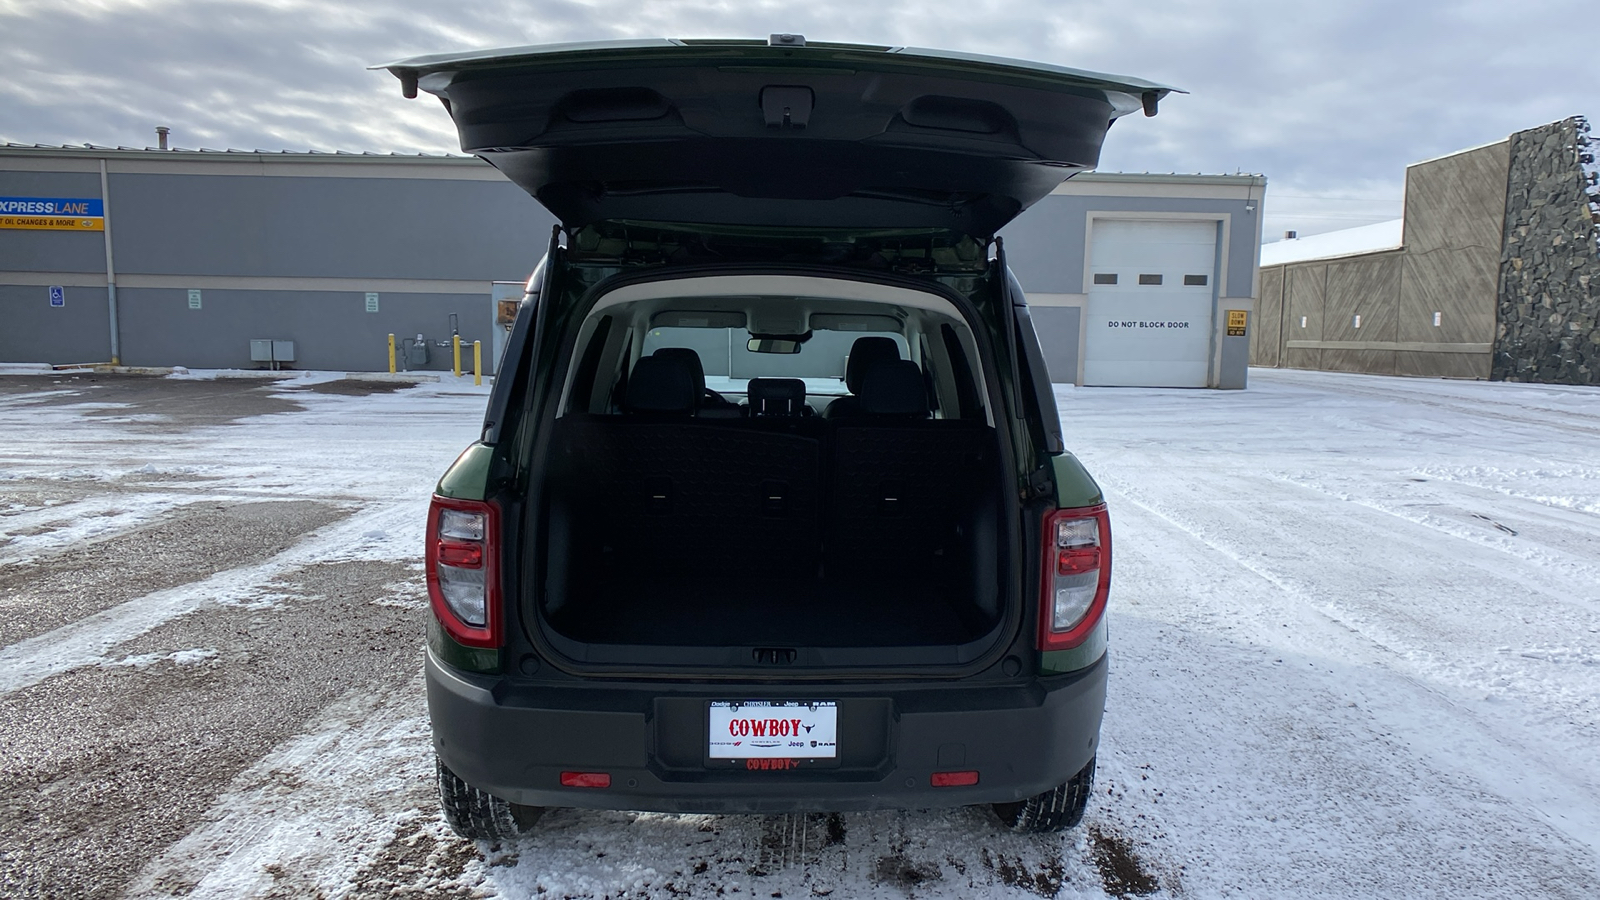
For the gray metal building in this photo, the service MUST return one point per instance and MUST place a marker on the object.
(185, 257)
(202, 252)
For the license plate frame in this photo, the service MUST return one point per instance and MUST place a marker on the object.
(731, 737)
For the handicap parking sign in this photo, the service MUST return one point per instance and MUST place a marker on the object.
(58, 295)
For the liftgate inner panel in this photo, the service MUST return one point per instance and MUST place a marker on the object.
(1151, 291)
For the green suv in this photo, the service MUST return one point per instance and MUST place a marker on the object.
(771, 510)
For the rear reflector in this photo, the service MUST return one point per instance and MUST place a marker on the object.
(586, 779)
(954, 779)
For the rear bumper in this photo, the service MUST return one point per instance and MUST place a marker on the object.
(515, 742)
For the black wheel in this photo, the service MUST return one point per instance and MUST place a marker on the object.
(1057, 809)
(480, 816)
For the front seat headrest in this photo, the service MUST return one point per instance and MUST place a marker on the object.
(864, 354)
(777, 397)
(894, 388)
(661, 384)
(691, 359)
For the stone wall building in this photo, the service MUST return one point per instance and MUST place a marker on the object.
(1549, 299)
(1494, 272)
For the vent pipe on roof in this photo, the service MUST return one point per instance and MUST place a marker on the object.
(1290, 235)
(161, 136)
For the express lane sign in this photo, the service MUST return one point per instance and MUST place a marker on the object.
(52, 213)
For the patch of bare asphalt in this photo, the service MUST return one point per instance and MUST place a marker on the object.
(899, 870)
(1043, 876)
(356, 387)
(162, 404)
(185, 545)
(422, 860)
(21, 385)
(1123, 873)
(106, 766)
(19, 496)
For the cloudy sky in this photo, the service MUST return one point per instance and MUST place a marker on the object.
(1329, 99)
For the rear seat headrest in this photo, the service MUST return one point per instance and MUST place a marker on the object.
(864, 354)
(894, 388)
(777, 397)
(661, 384)
(691, 359)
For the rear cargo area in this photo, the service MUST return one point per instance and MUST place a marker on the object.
(779, 533)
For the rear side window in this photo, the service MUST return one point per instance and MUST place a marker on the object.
(967, 403)
(589, 366)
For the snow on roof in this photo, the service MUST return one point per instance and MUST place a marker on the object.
(1365, 239)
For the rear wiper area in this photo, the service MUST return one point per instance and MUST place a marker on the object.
(918, 250)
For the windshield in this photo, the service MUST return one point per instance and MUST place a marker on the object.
(729, 364)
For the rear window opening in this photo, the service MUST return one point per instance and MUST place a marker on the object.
(813, 477)
(728, 362)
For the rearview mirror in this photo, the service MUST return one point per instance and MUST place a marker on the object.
(772, 345)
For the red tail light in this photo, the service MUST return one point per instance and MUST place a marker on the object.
(953, 779)
(1077, 575)
(462, 570)
(586, 779)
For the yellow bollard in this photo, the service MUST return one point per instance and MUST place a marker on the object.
(477, 362)
(391, 354)
(455, 343)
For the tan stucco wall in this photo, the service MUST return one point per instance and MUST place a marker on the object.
(1448, 264)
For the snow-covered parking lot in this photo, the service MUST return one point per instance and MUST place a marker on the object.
(1355, 634)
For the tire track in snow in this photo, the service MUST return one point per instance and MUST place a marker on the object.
(1452, 736)
(312, 812)
(88, 641)
(1559, 574)
(26, 536)
(1395, 390)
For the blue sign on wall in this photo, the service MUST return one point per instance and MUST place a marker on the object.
(90, 207)
(58, 295)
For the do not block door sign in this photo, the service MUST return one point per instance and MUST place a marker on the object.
(1236, 322)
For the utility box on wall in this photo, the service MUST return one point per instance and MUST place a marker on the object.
(269, 351)
(506, 297)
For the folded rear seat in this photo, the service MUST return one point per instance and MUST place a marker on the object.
(666, 492)
(901, 483)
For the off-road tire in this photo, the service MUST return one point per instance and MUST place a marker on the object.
(1057, 809)
(480, 816)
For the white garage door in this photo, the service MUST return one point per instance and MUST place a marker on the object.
(1150, 303)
